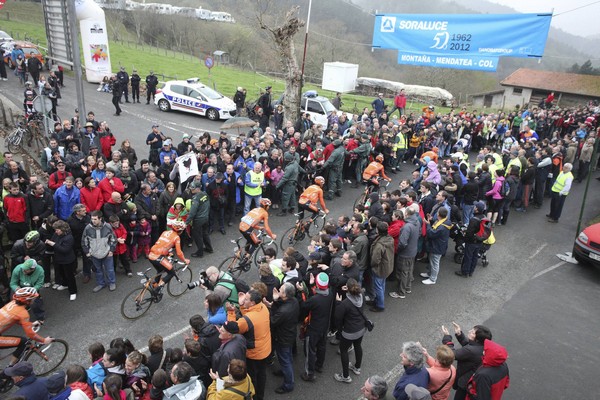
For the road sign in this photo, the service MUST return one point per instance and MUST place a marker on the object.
(209, 62)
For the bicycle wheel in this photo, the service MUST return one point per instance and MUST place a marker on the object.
(289, 238)
(360, 200)
(136, 303)
(176, 288)
(260, 252)
(13, 141)
(231, 265)
(316, 226)
(48, 357)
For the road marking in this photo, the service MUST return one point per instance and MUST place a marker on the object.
(169, 337)
(538, 251)
(389, 377)
(549, 269)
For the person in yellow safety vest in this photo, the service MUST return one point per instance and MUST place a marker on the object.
(254, 183)
(492, 167)
(398, 148)
(513, 161)
(560, 191)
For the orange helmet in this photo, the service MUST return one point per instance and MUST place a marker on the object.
(265, 203)
(319, 180)
(25, 294)
(379, 157)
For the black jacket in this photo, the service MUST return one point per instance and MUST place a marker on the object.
(468, 358)
(19, 251)
(319, 308)
(235, 348)
(41, 206)
(64, 252)
(77, 227)
(284, 319)
(348, 317)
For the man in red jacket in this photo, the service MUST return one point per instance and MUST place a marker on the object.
(399, 103)
(15, 208)
(110, 184)
(491, 379)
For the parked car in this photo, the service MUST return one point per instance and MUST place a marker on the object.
(318, 107)
(587, 245)
(5, 37)
(194, 97)
(30, 50)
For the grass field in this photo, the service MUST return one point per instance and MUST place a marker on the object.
(26, 20)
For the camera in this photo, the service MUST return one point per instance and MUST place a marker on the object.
(200, 282)
(262, 260)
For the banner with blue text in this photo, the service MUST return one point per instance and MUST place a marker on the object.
(513, 35)
(460, 61)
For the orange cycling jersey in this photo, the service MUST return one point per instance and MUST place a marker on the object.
(312, 195)
(373, 170)
(433, 156)
(12, 314)
(254, 218)
(164, 244)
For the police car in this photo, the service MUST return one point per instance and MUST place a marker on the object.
(194, 97)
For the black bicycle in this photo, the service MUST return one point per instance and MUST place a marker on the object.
(242, 262)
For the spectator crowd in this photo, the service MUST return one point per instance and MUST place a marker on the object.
(102, 207)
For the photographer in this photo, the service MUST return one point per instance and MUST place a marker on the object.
(220, 283)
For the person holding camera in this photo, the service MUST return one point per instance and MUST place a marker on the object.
(220, 283)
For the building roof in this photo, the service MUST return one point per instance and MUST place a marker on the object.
(584, 85)
(500, 91)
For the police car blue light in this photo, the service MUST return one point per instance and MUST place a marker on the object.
(194, 97)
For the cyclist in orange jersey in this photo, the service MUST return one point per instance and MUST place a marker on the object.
(14, 313)
(374, 170)
(159, 253)
(252, 221)
(309, 198)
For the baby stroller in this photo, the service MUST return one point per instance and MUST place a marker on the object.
(457, 233)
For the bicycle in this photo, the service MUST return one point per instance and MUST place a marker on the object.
(369, 188)
(235, 264)
(302, 228)
(45, 358)
(138, 301)
(29, 133)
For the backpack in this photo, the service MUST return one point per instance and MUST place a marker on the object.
(485, 230)
(240, 284)
(505, 189)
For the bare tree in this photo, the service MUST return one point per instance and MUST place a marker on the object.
(283, 38)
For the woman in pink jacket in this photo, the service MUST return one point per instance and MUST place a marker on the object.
(495, 197)
(441, 372)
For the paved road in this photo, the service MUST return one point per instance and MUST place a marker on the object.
(525, 247)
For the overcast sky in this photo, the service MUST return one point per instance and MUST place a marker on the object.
(581, 22)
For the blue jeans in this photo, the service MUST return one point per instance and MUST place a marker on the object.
(434, 266)
(286, 361)
(248, 202)
(104, 268)
(468, 211)
(379, 289)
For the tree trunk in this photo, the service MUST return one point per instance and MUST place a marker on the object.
(283, 36)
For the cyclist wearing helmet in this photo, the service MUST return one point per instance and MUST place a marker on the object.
(374, 170)
(30, 274)
(252, 221)
(29, 247)
(14, 313)
(309, 198)
(163, 247)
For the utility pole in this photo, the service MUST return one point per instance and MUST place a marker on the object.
(74, 31)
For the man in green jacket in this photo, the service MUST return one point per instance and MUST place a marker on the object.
(334, 165)
(198, 219)
(30, 274)
(288, 183)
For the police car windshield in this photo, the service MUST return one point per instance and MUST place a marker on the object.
(328, 106)
(209, 93)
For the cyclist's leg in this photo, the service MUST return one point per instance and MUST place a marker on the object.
(314, 210)
(158, 267)
(251, 241)
(168, 268)
(13, 341)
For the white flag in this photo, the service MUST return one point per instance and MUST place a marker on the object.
(188, 166)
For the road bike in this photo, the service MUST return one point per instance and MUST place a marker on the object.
(139, 300)
(370, 188)
(45, 358)
(303, 227)
(28, 134)
(240, 261)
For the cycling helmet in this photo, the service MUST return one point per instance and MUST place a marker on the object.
(28, 83)
(379, 157)
(319, 180)
(178, 226)
(32, 236)
(25, 294)
(265, 203)
(431, 107)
